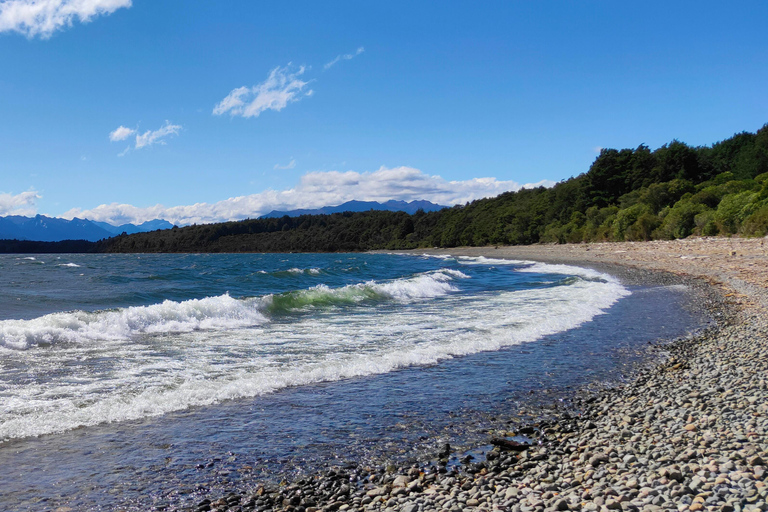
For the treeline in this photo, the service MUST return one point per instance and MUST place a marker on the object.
(32, 247)
(337, 232)
(631, 194)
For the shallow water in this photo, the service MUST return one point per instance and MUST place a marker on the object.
(399, 413)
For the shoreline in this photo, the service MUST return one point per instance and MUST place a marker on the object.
(687, 434)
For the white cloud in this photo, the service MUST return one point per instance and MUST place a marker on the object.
(121, 133)
(19, 204)
(145, 139)
(44, 17)
(279, 89)
(315, 189)
(156, 137)
(348, 56)
(289, 165)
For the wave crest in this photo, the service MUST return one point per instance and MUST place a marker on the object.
(423, 286)
(220, 312)
(211, 313)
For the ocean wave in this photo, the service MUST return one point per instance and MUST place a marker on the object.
(423, 286)
(540, 268)
(222, 312)
(212, 313)
(310, 271)
(292, 272)
(569, 270)
(482, 260)
(273, 356)
(30, 259)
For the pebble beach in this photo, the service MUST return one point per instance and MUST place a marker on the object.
(688, 433)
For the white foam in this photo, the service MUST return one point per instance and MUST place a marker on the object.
(312, 271)
(196, 368)
(454, 273)
(71, 265)
(435, 256)
(549, 268)
(423, 286)
(538, 267)
(419, 287)
(221, 312)
(482, 260)
(31, 259)
(212, 313)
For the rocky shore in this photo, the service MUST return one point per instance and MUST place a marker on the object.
(689, 434)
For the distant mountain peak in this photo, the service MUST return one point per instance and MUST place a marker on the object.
(150, 225)
(52, 229)
(392, 205)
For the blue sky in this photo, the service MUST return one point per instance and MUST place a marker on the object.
(120, 110)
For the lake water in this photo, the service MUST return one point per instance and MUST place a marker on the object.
(133, 380)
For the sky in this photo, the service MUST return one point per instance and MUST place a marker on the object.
(131, 110)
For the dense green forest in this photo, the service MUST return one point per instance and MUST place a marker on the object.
(672, 192)
(32, 247)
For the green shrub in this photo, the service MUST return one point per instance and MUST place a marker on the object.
(679, 221)
(732, 211)
(709, 197)
(626, 218)
(757, 223)
(705, 223)
(643, 227)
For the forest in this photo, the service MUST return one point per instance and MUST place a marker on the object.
(672, 192)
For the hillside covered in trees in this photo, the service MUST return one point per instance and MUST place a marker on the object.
(674, 191)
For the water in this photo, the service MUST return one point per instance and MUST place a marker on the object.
(126, 379)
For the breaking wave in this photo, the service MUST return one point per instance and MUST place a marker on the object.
(424, 286)
(221, 312)
(224, 348)
(211, 313)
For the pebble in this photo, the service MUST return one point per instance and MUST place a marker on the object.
(690, 434)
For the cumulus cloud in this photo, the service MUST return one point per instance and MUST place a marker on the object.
(42, 18)
(315, 189)
(19, 204)
(121, 133)
(289, 165)
(348, 56)
(281, 87)
(145, 139)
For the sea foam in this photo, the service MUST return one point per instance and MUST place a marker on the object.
(423, 286)
(223, 312)
(211, 313)
(222, 348)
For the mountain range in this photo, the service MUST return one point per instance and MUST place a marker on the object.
(361, 206)
(50, 229)
(129, 229)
